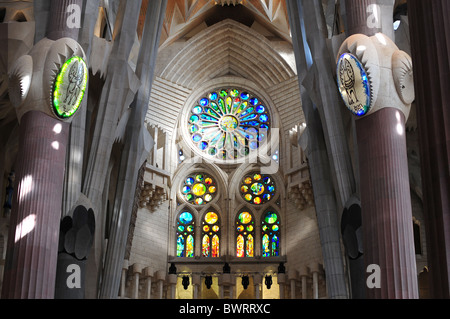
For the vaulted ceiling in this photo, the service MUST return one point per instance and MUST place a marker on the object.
(183, 16)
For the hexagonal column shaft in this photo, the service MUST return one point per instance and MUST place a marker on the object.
(30, 268)
(386, 203)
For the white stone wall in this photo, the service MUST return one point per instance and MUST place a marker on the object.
(150, 242)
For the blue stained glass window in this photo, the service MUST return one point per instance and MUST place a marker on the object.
(270, 228)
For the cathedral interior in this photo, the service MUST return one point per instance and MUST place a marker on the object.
(224, 149)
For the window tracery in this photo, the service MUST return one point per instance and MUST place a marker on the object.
(228, 124)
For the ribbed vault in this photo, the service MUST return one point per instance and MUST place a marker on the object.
(227, 48)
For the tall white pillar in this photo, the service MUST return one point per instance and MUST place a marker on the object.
(148, 274)
(137, 270)
(160, 279)
(172, 281)
(123, 282)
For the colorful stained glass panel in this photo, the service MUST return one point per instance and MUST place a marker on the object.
(227, 116)
(262, 188)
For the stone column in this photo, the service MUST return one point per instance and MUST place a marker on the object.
(318, 150)
(137, 143)
(370, 17)
(315, 282)
(196, 283)
(123, 279)
(160, 279)
(257, 282)
(304, 272)
(384, 180)
(30, 269)
(137, 271)
(429, 26)
(65, 19)
(172, 282)
(148, 274)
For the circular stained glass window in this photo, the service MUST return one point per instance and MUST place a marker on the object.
(228, 124)
(257, 188)
(199, 189)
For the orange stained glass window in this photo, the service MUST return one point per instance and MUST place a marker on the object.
(245, 234)
(211, 235)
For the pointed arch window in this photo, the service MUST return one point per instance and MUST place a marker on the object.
(270, 228)
(211, 235)
(185, 234)
(245, 234)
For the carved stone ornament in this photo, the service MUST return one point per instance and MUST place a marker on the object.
(51, 79)
(368, 68)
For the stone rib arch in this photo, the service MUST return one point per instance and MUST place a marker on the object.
(240, 45)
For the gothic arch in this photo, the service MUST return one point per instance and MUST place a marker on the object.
(248, 53)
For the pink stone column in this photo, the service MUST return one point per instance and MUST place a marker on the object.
(33, 237)
(386, 203)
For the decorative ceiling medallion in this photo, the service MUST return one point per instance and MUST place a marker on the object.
(353, 84)
(69, 88)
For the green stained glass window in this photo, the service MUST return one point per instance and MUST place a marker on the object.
(245, 245)
(227, 124)
(257, 189)
(185, 234)
(69, 87)
(270, 227)
(211, 235)
(199, 189)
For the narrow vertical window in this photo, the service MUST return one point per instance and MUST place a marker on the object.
(185, 235)
(270, 227)
(211, 235)
(245, 234)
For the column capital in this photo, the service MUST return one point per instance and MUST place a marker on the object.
(136, 268)
(368, 68)
(51, 79)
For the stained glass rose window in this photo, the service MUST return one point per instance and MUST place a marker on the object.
(199, 189)
(228, 124)
(257, 189)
